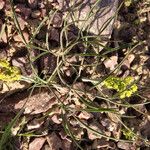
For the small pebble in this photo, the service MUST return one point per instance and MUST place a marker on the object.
(123, 145)
(36, 14)
(32, 3)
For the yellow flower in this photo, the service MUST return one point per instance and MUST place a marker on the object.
(128, 3)
(124, 87)
(9, 73)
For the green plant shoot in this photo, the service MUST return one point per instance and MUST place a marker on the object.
(9, 73)
(124, 87)
(129, 134)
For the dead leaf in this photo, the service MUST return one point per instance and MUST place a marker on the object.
(54, 141)
(77, 132)
(66, 145)
(37, 143)
(1, 24)
(3, 54)
(32, 3)
(127, 63)
(56, 119)
(145, 130)
(13, 87)
(85, 115)
(48, 63)
(111, 62)
(37, 103)
(97, 127)
(79, 86)
(4, 37)
(54, 34)
(97, 144)
(63, 134)
(21, 60)
(34, 124)
(43, 12)
(115, 125)
(22, 22)
(5, 119)
(2, 4)
(57, 20)
(62, 4)
(23, 10)
(18, 37)
(123, 145)
(36, 14)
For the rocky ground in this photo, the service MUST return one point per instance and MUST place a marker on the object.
(61, 108)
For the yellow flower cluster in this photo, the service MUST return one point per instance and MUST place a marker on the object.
(127, 3)
(8, 73)
(124, 87)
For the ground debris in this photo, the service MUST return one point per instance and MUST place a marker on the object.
(37, 143)
(60, 46)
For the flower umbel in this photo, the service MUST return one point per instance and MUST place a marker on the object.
(8, 73)
(124, 87)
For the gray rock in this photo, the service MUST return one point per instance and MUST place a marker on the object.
(38, 102)
(99, 13)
